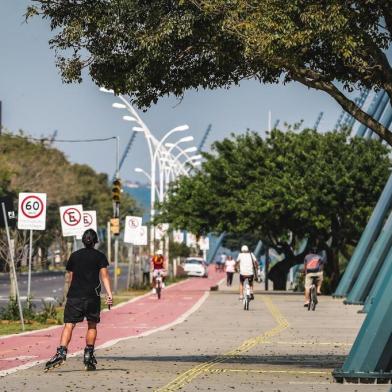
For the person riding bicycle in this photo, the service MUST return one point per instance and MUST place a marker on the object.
(158, 267)
(246, 266)
(313, 269)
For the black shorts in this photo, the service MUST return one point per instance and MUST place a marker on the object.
(76, 309)
(249, 277)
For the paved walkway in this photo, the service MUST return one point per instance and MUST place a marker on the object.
(141, 316)
(276, 346)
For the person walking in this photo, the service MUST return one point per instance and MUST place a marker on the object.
(86, 267)
(230, 269)
(146, 270)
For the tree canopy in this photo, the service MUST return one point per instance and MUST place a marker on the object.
(149, 49)
(290, 186)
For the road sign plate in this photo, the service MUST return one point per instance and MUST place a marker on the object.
(72, 220)
(132, 228)
(32, 211)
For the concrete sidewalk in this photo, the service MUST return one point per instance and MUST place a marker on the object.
(275, 346)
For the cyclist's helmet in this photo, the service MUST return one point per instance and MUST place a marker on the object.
(159, 253)
(244, 249)
(89, 238)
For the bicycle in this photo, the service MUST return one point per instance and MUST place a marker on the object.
(246, 294)
(158, 284)
(313, 294)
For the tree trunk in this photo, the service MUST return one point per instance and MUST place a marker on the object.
(278, 273)
(332, 266)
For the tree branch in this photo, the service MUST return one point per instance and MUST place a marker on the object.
(311, 79)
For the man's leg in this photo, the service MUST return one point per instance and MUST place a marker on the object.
(66, 335)
(91, 334)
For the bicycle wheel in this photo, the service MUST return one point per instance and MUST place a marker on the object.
(314, 302)
(159, 289)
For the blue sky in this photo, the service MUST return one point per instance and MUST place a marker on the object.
(35, 100)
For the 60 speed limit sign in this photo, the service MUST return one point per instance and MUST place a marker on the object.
(32, 211)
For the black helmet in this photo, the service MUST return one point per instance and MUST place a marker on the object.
(89, 238)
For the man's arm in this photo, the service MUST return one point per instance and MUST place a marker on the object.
(104, 274)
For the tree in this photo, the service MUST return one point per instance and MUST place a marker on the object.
(290, 186)
(153, 48)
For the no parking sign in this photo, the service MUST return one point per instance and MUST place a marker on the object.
(72, 220)
(32, 211)
(132, 227)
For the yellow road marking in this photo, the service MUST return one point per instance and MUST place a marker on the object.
(296, 372)
(188, 376)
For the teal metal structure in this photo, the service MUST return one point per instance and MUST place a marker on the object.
(258, 249)
(372, 111)
(371, 268)
(366, 242)
(214, 249)
(370, 357)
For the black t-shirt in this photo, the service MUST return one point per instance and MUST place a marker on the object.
(85, 265)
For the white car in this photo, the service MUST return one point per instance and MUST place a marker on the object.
(195, 266)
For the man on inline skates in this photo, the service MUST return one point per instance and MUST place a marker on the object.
(86, 266)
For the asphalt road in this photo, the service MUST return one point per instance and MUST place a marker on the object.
(46, 286)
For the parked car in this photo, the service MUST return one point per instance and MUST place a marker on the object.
(195, 266)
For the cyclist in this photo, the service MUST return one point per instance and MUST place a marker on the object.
(246, 267)
(86, 266)
(158, 265)
(313, 268)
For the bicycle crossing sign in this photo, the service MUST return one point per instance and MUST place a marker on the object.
(32, 211)
(89, 222)
(132, 228)
(72, 223)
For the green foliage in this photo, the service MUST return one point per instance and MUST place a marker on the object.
(290, 186)
(149, 49)
(179, 250)
(11, 310)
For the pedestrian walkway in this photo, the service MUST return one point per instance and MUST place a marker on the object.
(139, 317)
(275, 346)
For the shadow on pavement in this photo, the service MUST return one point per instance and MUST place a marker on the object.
(313, 361)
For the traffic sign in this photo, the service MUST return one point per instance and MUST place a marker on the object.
(190, 240)
(178, 236)
(9, 210)
(132, 227)
(204, 243)
(141, 236)
(89, 222)
(72, 220)
(32, 211)
(160, 230)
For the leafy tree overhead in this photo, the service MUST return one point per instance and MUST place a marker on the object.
(149, 49)
(290, 186)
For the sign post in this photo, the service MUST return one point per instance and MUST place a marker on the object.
(133, 225)
(32, 216)
(6, 216)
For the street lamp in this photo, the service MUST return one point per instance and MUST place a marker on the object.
(117, 105)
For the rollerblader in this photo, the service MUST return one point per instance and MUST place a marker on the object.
(87, 267)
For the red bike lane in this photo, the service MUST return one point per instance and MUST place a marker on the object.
(138, 317)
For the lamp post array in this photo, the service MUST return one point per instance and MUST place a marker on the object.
(162, 157)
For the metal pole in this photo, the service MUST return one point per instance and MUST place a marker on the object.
(266, 268)
(30, 259)
(130, 258)
(13, 265)
(108, 239)
(115, 264)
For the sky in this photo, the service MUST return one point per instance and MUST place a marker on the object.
(35, 100)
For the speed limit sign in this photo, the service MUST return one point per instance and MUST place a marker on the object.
(32, 211)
